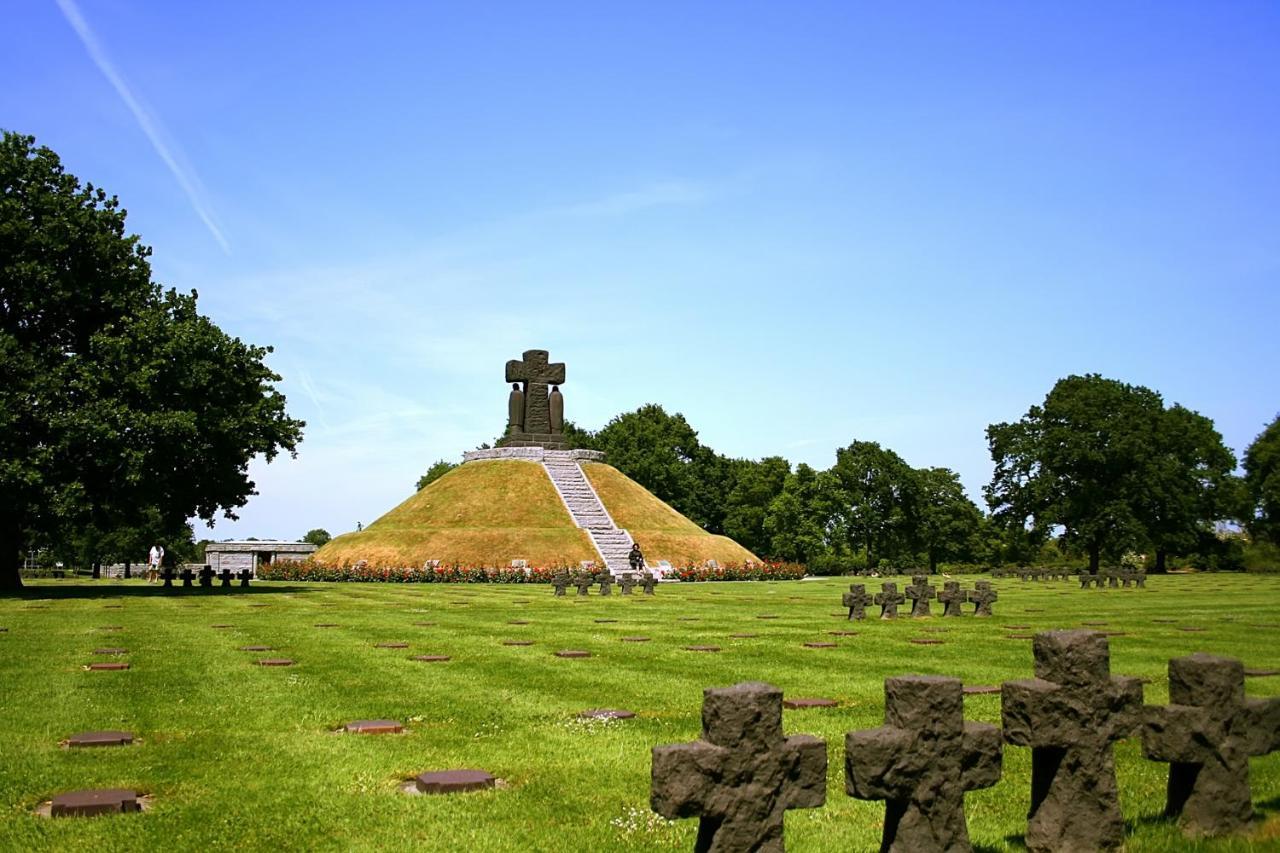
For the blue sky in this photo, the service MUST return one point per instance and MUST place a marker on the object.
(798, 224)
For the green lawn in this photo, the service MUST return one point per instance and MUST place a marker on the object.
(237, 755)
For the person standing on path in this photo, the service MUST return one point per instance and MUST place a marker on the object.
(636, 558)
(153, 563)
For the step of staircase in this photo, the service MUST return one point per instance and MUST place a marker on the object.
(584, 505)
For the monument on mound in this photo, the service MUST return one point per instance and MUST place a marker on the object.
(534, 500)
(535, 416)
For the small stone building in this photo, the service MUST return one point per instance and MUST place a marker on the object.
(250, 555)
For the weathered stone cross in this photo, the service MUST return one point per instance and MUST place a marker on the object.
(1070, 714)
(648, 581)
(921, 762)
(536, 374)
(743, 775)
(1207, 733)
(952, 596)
(920, 592)
(605, 579)
(560, 580)
(856, 599)
(889, 599)
(583, 582)
(982, 596)
(627, 582)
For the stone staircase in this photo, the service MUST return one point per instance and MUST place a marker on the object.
(612, 542)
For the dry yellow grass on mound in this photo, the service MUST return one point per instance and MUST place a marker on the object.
(663, 533)
(487, 512)
(491, 512)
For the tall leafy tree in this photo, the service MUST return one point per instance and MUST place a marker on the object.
(1262, 481)
(437, 470)
(1188, 484)
(945, 524)
(747, 503)
(876, 493)
(661, 452)
(117, 398)
(799, 519)
(1112, 467)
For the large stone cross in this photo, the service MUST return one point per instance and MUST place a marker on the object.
(743, 775)
(921, 762)
(856, 599)
(952, 596)
(536, 374)
(982, 596)
(920, 592)
(560, 581)
(889, 599)
(1207, 733)
(1070, 714)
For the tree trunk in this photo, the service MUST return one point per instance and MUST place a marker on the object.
(1095, 557)
(97, 568)
(1159, 568)
(10, 558)
(933, 563)
(127, 572)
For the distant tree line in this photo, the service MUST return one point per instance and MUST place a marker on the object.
(1099, 469)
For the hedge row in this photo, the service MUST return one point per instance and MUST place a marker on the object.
(311, 571)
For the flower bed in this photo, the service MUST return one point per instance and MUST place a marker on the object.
(309, 570)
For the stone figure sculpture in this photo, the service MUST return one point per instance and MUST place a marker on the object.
(555, 410)
(536, 374)
(921, 762)
(515, 410)
(743, 775)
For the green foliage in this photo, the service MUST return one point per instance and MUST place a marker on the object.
(876, 500)
(318, 537)
(435, 472)
(797, 522)
(1262, 480)
(121, 407)
(947, 525)
(1112, 467)
(756, 485)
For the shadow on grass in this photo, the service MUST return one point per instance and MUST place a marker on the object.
(82, 589)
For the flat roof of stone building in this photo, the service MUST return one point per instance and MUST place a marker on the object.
(263, 545)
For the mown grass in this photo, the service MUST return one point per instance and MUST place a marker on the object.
(241, 756)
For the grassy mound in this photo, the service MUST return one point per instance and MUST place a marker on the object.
(490, 512)
(663, 533)
(241, 757)
(482, 513)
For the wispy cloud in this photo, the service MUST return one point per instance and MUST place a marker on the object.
(662, 194)
(149, 123)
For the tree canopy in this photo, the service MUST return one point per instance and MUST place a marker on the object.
(1262, 480)
(1112, 467)
(120, 404)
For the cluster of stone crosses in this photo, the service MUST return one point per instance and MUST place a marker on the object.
(921, 592)
(743, 774)
(206, 577)
(584, 580)
(1110, 577)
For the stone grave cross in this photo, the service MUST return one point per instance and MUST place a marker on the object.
(536, 373)
(921, 762)
(952, 596)
(982, 596)
(920, 592)
(583, 582)
(1207, 734)
(626, 583)
(743, 775)
(889, 600)
(1070, 714)
(560, 582)
(856, 599)
(648, 581)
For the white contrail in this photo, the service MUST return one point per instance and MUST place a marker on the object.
(150, 125)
